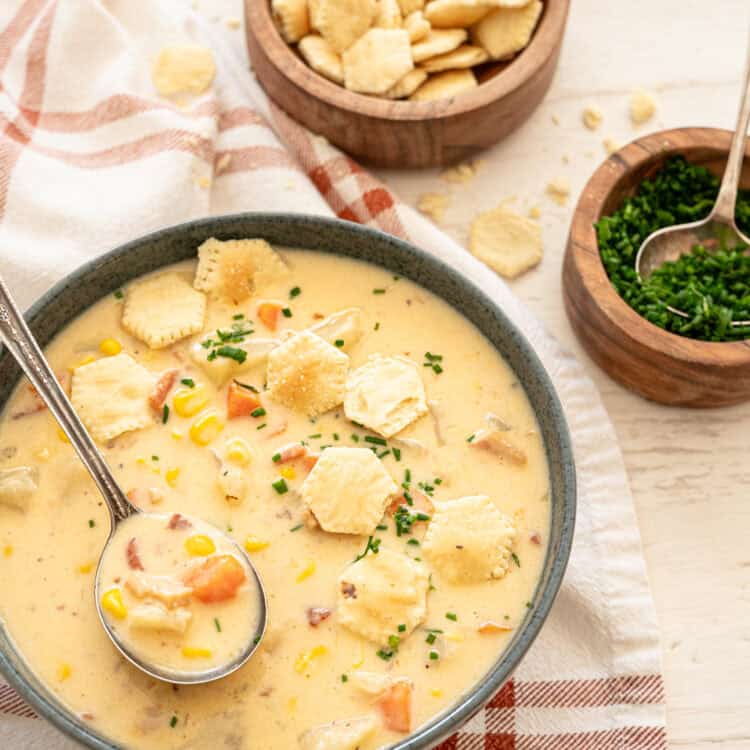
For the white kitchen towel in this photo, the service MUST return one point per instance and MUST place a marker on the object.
(90, 156)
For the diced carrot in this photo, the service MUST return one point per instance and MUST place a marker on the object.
(395, 705)
(420, 503)
(269, 313)
(161, 389)
(491, 628)
(241, 402)
(309, 461)
(217, 579)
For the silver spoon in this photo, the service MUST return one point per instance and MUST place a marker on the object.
(672, 243)
(22, 345)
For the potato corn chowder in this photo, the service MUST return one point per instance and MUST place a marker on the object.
(365, 443)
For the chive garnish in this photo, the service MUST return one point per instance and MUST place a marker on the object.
(373, 545)
(261, 426)
(339, 343)
(173, 722)
(297, 527)
(165, 414)
(378, 291)
(402, 628)
(294, 292)
(434, 655)
(375, 440)
(515, 559)
(276, 457)
(344, 678)
(119, 294)
(451, 616)
(431, 638)
(246, 386)
(280, 486)
(382, 527)
(316, 436)
(189, 382)
(470, 439)
(396, 453)
(259, 412)
(217, 624)
(286, 312)
(91, 523)
(376, 327)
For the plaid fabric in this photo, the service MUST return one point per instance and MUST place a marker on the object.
(88, 153)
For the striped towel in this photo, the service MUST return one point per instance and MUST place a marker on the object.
(90, 157)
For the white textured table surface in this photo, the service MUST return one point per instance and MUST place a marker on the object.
(689, 470)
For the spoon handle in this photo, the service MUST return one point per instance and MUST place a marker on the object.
(727, 199)
(22, 345)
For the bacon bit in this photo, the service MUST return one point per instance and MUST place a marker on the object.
(316, 615)
(309, 461)
(162, 387)
(493, 442)
(178, 521)
(349, 590)
(420, 502)
(291, 453)
(492, 628)
(86, 716)
(318, 316)
(395, 706)
(535, 537)
(131, 553)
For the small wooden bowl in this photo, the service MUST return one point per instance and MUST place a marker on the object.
(661, 366)
(403, 133)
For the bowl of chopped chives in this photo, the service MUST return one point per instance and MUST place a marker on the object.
(665, 178)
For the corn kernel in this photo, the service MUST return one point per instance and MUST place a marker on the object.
(141, 461)
(306, 572)
(200, 545)
(110, 347)
(194, 652)
(64, 671)
(291, 704)
(177, 435)
(62, 437)
(303, 661)
(171, 476)
(7, 550)
(206, 429)
(238, 451)
(85, 361)
(436, 693)
(85, 568)
(188, 402)
(253, 544)
(112, 602)
(288, 472)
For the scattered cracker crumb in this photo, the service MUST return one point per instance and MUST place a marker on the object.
(290, 184)
(565, 159)
(555, 120)
(203, 182)
(462, 173)
(642, 106)
(233, 23)
(223, 163)
(610, 145)
(592, 117)
(183, 69)
(506, 241)
(535, 212)
(559, 190)
(434, 205)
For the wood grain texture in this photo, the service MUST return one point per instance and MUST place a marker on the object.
(403, 133)
(661, 366)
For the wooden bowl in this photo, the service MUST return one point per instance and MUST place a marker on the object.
(403, 133)
(661, 366)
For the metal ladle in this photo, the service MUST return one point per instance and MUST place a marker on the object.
(22, 345)
(671, 243)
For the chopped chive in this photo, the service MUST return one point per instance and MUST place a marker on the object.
(434, 655)
(294, 292)
(407, 476)
(173, 722)
(376, 327)
(247, 386)
(413, 542)
(431, 638)
(515, 559)
(396, 453)
(276, 457)
(437, 480)
(384, 654)
(375, 440)
(217, 624)
(165, 414)
(344, 678)
(529, 605)
(355, 438)
(434, 630)
(378, 291)
(373, 545)
(259, 412)
(451, 616)
(335, 436)
(238, 316)
(286, 312)
(189, 382)
(297, 527)
(339, 343)
(261, 426)
(316, 436)
(383, 454)
(437, 369)
(280, 486)
(470, 439)
(91, 523)
(230, 352)
(154, 458)
(394, 642)
(119, 294)
(402, 628)
(382, 527)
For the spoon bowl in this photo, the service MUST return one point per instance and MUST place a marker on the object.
(22, 345)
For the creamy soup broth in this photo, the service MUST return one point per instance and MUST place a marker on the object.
(301, 676)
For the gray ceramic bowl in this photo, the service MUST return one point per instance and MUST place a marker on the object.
(109, 272)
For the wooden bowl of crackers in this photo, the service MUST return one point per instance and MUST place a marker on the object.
(407, 83)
